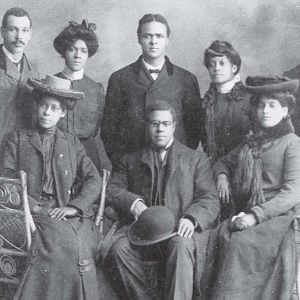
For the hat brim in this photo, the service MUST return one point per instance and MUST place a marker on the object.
(65, 93)
(291, 86)
(134, 240)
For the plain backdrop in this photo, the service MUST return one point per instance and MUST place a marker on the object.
(265, 32)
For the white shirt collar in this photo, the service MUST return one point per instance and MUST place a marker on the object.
(150, 67)
(226, 87)
(15, 59)
(73, 75)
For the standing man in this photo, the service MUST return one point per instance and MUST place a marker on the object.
(169, 174)
(152, 77)
(14, 71)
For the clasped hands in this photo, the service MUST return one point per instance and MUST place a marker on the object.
(186, 227)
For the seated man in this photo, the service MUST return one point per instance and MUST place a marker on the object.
(61, 263)
(170, 174)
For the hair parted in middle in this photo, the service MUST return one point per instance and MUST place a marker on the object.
(222, 48)
(74, 32)
(160, 105)
(153, 18)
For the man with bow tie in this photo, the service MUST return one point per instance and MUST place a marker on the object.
(152, 77)
(165, 173)
(15, 69)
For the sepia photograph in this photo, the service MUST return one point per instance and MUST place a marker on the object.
(150, 150)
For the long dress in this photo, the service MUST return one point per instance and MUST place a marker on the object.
(85, 119)
(258, 262)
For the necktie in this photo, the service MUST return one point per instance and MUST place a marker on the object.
(157, 71)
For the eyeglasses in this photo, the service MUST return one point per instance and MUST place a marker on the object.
(157, 123)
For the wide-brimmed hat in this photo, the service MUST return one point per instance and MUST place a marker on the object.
(270, 84)
(75, 31)
(55, 86)
(155, 224)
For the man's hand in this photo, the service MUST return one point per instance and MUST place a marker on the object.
(223, 188)
(61, 213)
(138, 208)
(186, 228)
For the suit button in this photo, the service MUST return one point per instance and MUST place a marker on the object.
(61, 155)
(66, 172)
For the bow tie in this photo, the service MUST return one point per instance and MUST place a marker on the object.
(154, 71)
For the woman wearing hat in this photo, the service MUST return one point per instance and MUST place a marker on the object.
(62, 256)
(76, 44)
(254, 251)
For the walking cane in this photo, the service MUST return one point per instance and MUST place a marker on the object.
(100, 213)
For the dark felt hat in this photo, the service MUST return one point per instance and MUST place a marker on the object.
(56, 86)
(270, 84)
(154, 225)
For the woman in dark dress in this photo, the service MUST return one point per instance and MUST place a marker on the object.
(76, 44)
(252, 255)
(225, 105)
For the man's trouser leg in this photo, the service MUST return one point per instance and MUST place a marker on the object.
(180, 256)
(127, 262)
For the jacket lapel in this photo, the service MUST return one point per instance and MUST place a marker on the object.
(143, 76)
(35, 140)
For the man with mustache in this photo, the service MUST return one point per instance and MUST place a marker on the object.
(152, 77)
(15, 69)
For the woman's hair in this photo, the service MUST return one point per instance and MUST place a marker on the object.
(285, 98)
(65, 103)
(74, 32)
(222, 48)
(153, 18)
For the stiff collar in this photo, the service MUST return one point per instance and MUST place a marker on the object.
(72, 75)
(150, 67)
(139, 64)
(11, 57)
(226, 87)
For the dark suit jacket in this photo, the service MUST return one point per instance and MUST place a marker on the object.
(295, 74)
(189, 185)
(131, 89)
(15, 96)
(23, 151)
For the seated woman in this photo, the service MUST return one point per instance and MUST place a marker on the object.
(252, 255)
(62, 256)
(76, 44)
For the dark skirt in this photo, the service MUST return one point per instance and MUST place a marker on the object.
(62, 261)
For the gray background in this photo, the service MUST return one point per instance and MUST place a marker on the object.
(266, 33)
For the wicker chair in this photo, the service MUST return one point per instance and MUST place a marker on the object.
(15, 218)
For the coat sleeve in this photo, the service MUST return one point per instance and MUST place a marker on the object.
(111, 118)
(118, 194)
(205, 205)
(191, 112)
(10, 156)
(289, 194)
(91, 180)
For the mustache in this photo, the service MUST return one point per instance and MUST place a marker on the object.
(18, 42)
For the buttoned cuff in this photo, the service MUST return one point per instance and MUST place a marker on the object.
(134, 203)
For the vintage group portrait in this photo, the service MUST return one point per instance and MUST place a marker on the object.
(150, 150)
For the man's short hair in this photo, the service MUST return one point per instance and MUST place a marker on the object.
(222, 48)
(153, 18)
(160, 105)
(17, 12)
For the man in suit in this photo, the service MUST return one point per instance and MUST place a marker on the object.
(15, 69)
(170, 174)
(295, 74)
(152, 77)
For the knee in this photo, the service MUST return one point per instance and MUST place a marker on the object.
(181, 244)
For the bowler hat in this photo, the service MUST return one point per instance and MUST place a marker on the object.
(56, 86)
(155, 224)
(270, 84)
